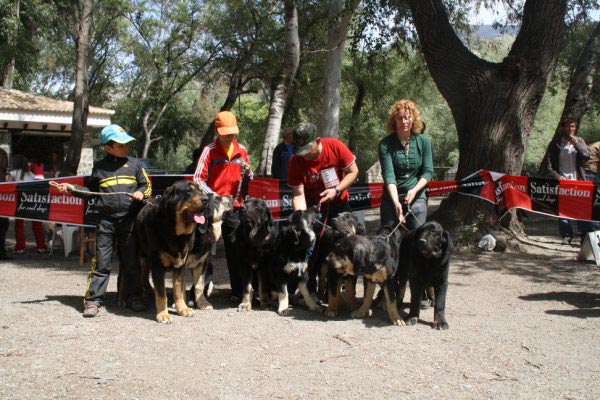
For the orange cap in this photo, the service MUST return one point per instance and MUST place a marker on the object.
(226, 123)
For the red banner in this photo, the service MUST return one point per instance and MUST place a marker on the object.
(37, 200)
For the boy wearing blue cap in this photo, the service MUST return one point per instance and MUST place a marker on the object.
(116, 172)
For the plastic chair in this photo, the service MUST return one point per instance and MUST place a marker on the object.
(68, 231)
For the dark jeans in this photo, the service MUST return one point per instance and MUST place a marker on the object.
(415, 218)
(108, 233)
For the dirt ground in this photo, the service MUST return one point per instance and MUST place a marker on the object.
(523, 324)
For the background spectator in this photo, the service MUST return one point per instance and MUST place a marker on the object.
(21, 173)
(282, 154)
(3, 220)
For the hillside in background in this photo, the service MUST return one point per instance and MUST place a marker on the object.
(488, 32)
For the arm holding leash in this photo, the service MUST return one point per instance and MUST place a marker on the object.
(70, 188)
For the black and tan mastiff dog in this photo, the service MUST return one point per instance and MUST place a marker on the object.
(255, 240)
(345, 224)
(376, 258)
(164, 233)
(208, 232)
(386, 253)
(425, 261)
(289, 261)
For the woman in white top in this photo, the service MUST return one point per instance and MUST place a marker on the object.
(21, 173)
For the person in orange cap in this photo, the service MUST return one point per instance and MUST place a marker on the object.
(221, 167)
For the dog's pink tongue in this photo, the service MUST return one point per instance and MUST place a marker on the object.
(199, 218)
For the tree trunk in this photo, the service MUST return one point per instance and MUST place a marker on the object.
(149, 128)
(8, 70)
(81, 14)
(280, 93)
(582, 81)
(356, 109)
(493, 105)
(580, 87)
(340, 14)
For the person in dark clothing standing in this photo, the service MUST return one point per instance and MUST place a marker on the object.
(3, 220)
(282, 154)
(116, 172)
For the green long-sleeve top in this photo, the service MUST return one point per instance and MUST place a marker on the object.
(404, 167)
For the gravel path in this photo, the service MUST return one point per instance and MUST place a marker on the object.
(522, 325)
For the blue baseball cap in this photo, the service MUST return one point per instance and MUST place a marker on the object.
(114, 133)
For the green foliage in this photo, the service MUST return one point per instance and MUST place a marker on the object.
(251, 113)
(141, 50)
(38, 27)
(182, 123)
(173, 160)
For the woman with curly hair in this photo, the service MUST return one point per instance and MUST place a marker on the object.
(406, 160)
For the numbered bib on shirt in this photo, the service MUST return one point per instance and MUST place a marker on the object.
(329, 177)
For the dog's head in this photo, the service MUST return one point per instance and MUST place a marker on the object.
(299, 231)
(346, 224)
(215, 207)
(256, 223)
(183, 203)
(351, 255)
(394, 238)
(381, 265)
(433, 241)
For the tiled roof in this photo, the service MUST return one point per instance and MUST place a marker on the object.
(18, 100)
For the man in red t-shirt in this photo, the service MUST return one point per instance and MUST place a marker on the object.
(319, 173)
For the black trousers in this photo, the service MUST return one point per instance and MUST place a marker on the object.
(111, 232)
(231, 222)
(3, 229)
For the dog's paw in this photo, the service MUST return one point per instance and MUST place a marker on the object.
(330, 313)
(361, 313)
(245, 307)
(185, 312)
(398, 322)
(164, 317)
(411, 321)
(284, 312)
(315, 308)
(440, 325)
(203, 305)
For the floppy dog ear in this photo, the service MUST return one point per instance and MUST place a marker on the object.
(292, 235)
(448, 247)
(166, 201)
(311, 216)
(360, 229)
